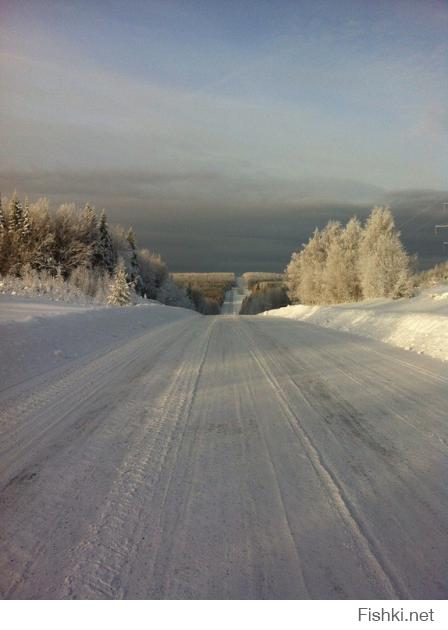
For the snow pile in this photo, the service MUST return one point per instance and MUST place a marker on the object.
(37, 335)
(419, 324)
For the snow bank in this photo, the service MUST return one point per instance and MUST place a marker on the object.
(37, 335)
(419, 324)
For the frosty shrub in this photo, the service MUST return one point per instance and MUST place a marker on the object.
(431, 277)
(173, 295)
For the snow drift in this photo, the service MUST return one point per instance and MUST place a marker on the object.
(419, 324)
(38, 335)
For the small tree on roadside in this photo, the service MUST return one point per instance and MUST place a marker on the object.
(120, 291)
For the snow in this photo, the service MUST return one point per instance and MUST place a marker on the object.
(36, 333)
(14, 308)
(149, 452)
(419, 324)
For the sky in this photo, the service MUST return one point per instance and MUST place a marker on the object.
(180, 113)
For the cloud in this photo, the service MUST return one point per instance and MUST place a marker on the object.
(58, 116)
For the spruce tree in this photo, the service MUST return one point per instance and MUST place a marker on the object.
(4, 241)
(26, 222)
(134, 274)
(105, 250)
(120, 291)
(2, 217)
(15, 214)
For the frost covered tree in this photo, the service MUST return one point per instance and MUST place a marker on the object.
(305, 274)
(42, 254)
(341, 278)
(173, 295)
(26, 222)
(348, 264)
(3, 224)
(120, 291)
(15, 214)
(89, 223)
(88, 231)
(134, 271)
(384, 266)
(72, 246)
(153, 272)
(4, 241)
(104, 254)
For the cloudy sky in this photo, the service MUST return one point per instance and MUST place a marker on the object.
(162, 109)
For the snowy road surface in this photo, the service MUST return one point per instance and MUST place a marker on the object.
(226, 457)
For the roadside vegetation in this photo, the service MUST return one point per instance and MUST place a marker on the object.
(73, 254)
(432, 277)
(206, 290)
(253, 278)
(265, 295)
(351, 263)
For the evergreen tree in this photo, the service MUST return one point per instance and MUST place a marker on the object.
(4, 241)
(3, 225)
(15, 214)
(120, 291)
(105, 256)
(88, 227)
(134, 273)
(153, 272)
(26, 222)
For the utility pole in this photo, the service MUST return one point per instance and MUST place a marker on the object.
(439, 228)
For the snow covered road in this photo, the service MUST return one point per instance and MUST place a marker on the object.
(234, 298)
(226, 457)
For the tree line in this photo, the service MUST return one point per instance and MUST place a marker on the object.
(78, 250)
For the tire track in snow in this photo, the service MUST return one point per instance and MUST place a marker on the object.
(65, 491)
(104, 558)
(186, 566)
(367, 546)
(373, 377)
(23, 427)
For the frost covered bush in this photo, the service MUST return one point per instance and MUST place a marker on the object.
(347, 264)
(431, 277)
(82, 286)
(173, 295)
